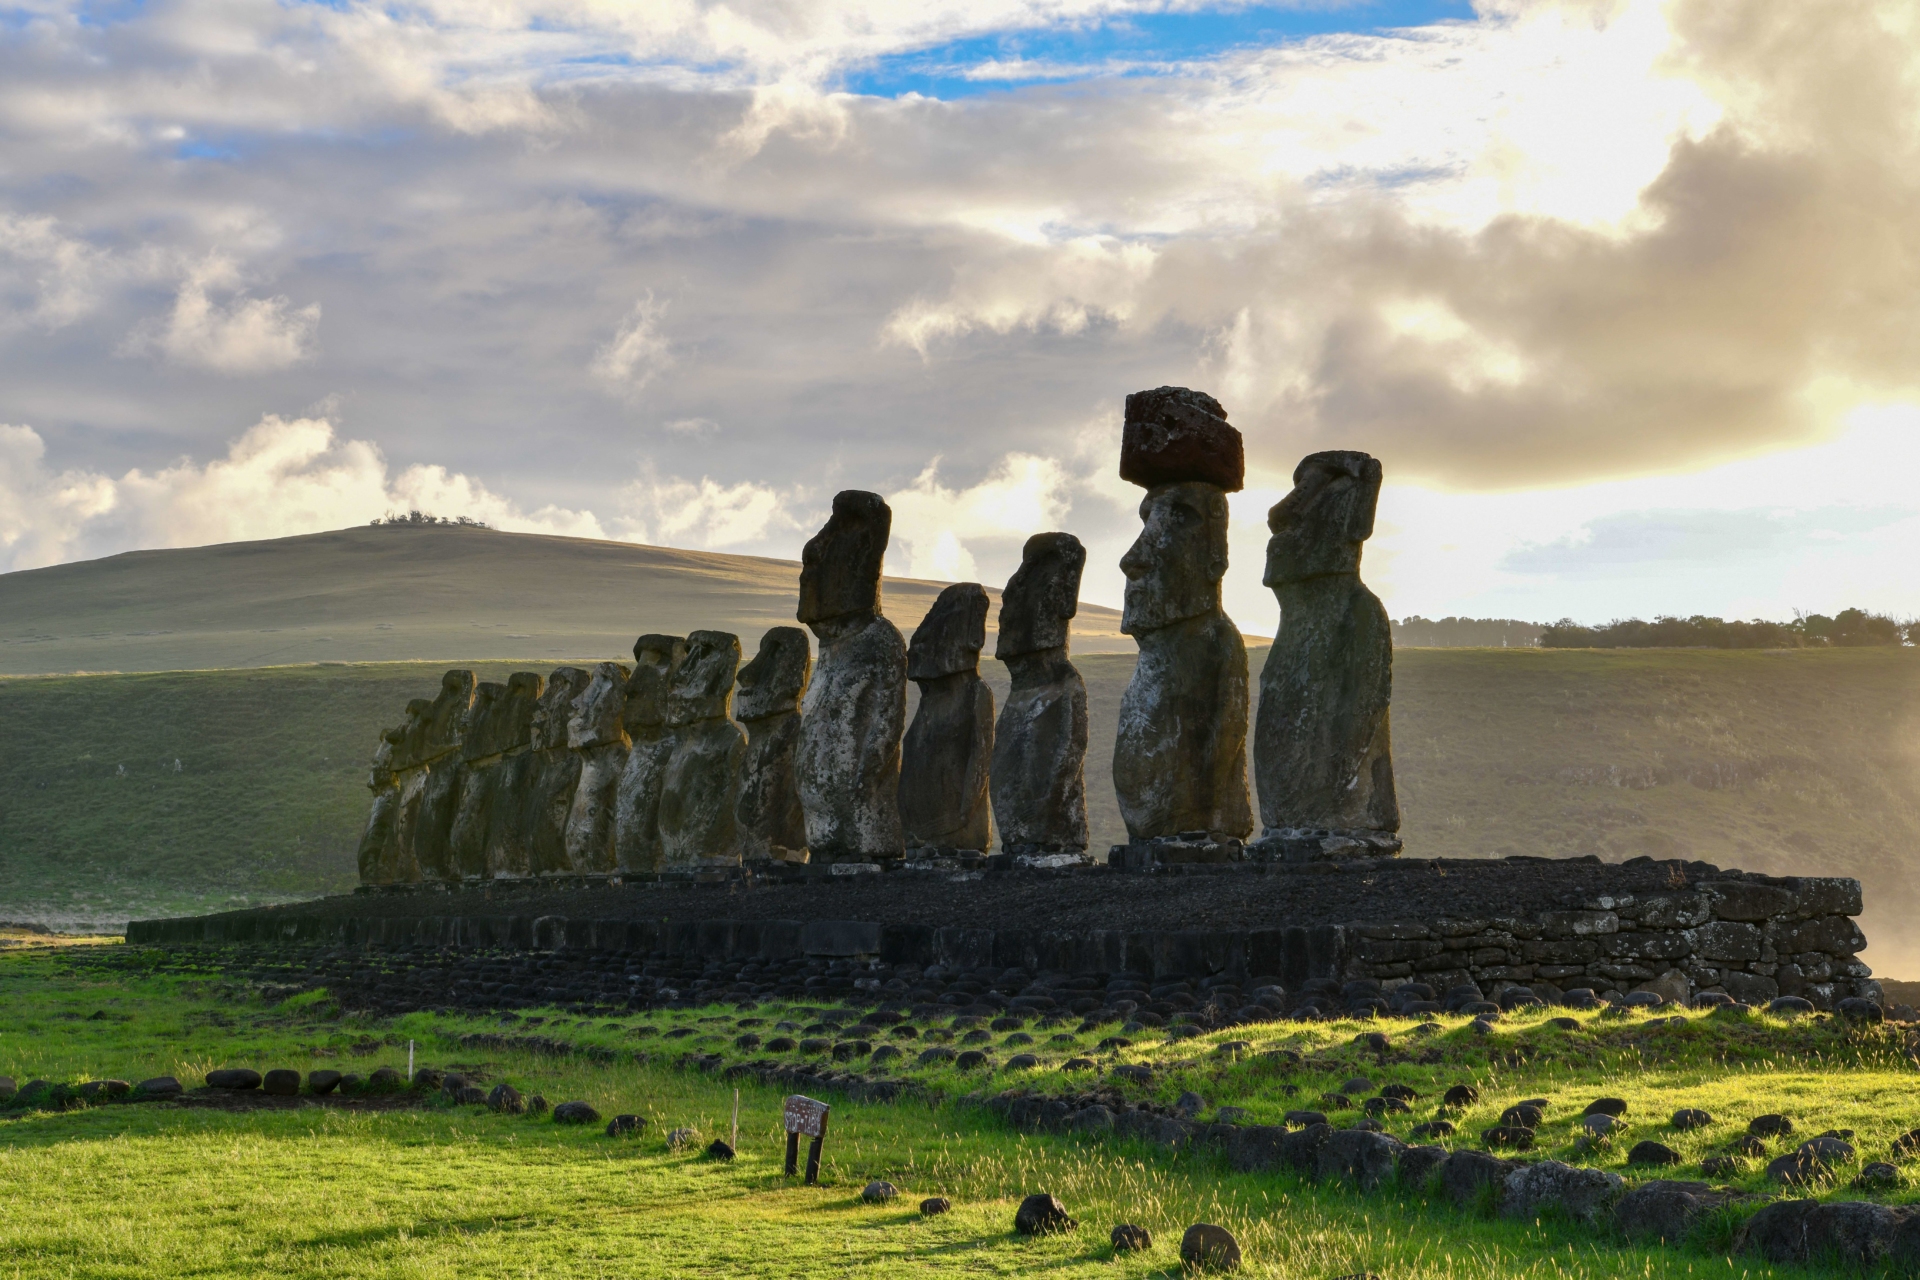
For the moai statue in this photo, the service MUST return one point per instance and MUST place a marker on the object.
(376, 842)
(1040, 745)
(440, 753)
(410, 779)
(698, 829)
(467, 840)
(636, 810)
(595, 734)
(1180, 757)
(772, 823)
(1322, 754)
(949, 745)
(556, 772)
(513, 779)
(847, 762)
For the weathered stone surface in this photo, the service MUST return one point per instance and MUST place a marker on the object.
(1322, 747)
(233, 1078)
(1354, 1155)
(555, 772)
(1174, 434)
(1585, 1194)
(1207, 1247)
(1180, 759)
(575, 1113)
(467, 840)
(847, 762)
(1663, 1210)
(701, 787)
(378, 853)
(596, 734)
(1040, 743)
(948, 748)
(439, 756)
(1127, 1237)
(636, 806)
(1042, 1215)
(1465, 1173)
(511, 772)
(771, 820)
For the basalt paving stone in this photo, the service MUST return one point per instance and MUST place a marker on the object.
(1098, 898)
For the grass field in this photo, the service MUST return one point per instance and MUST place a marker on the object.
(1802, 762)
(443, 1190)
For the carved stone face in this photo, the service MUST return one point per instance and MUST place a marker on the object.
(949, 639)
(1174, 567)
(840, 567)
(1319, 527)
(476, 733)
(776, 679)
(1042, 596)
(513, 717)
(449, 711)
(702, 684)
(654, 660)
(555, 708)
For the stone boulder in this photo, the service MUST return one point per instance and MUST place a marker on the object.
(234, 1078)
(1172, 434)
(1207, 1247)
(1586, 1195)
(1040, 1215)
(1126, 1237)
(879, 1191)
(1351, 1155)
(1664, 1210)
(281, 1082)
(1465, 1176)
(575, 1113)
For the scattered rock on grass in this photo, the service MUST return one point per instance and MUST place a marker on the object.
(1615, 1107)
(1878, 1176)
(719, 1149)
(678, 1138)
(322, 1082)
(1790, 1006)
(1129, 1238)
(280, 1082)
(158, 1087)
(1207, 1247)
(575, 1113)
(1511, 1137)
(1771, 1125)
(1042, 1215)
(233, 1078)
(625, 1126)
(1723, 1166)
(1663, 1210)
(506, 1099)
(1690, 1118)
(385, 1080)
(1585, 1194)
(1461, 1095)
(1651, 1152)
(879, 1191)
(1798, 1169)
(935, 1205)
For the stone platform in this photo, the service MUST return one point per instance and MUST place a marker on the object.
(1550, 924)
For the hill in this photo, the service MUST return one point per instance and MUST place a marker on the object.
(397, 593)
(1801, 762)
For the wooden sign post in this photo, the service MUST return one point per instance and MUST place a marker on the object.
(805, 1115)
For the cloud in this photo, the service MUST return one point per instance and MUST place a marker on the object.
(281, 477)
(46, 276)
(707, 515)
(940, 528)
(240, 336)
(638, 351)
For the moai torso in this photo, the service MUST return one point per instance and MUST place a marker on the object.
(1040, 742)
(636, 817)
(376, 854)
(556, 772)
(948, 749)
(847, 761)
(467, 841)
(513, 779)
(440, 798)
(1322, 746)
(698, 829)
(597, 735)
(772, 824)
(1180, 754)
(410, 783)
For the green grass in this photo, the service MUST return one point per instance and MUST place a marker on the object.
(154, 1190)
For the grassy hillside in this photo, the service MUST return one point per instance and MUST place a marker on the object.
(400, 593)
(1803, 762)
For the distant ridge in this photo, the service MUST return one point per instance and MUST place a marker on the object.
(410, 593)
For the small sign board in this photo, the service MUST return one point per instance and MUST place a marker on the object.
(805, 1115)
(809, 1116)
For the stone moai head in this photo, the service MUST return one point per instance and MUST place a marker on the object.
(555, 708)
(449, 713)
(654, 659)
(1175, 566)
(1319, 527)
(702, 686)
(776, 679)
(840, 567)
(411, 748)
(1178, 446)
(949, 639)
(513, 716)
(476, 732)
(1042, 596)
(599, 710)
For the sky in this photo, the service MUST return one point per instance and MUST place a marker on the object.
(1624, 294)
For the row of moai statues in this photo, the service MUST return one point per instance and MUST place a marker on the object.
(687, 762)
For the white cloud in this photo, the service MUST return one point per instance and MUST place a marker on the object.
(282, 477)
(241, 335)
(46, 276)
(707, 515)
(938, 526)
(638, 350)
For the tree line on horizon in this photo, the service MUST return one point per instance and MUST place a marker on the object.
(1848, 628)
